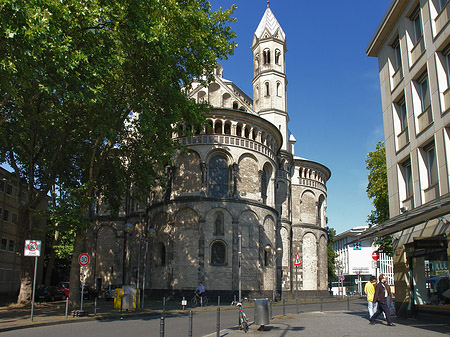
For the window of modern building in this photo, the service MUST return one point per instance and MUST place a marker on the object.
(9, 189)
(11, 246)
(5, 215)
(406, 185)
(397, 55)
(401, 123)
(218, 177)
(428, 170)
(431, 164)
(4, 244)
(218, 253)
(416, 19)
(422, 102)
(14, 218)
(424, 93)
(442, 4)
(2, 186)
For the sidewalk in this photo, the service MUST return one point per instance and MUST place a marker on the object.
(329, 323)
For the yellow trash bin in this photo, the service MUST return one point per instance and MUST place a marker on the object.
(118, 293)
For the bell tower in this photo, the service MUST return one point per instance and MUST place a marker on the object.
(269, 73)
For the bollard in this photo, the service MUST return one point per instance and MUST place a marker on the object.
(164, 304)
(270, 309)
(284, 307)
(296, 305)
(161, 327)
(218, 301)
(234, 298)
(121, 304)
(218, 322)
(95, 307)
(348, 303)
(321, 304)
(67, 305)
(190, 323)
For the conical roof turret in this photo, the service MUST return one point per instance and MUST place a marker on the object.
(269, 24)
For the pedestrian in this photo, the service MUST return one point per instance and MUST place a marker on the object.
(380, 298)
(369, 289)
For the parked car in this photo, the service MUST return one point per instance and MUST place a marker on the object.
(48, 293)
(89, 293)
(109, 292)
(64, 286)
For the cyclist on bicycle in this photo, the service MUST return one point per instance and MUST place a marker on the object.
(200, 291)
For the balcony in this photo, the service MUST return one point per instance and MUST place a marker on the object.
(417, 51)
(402, 139)
(397, 78)
(442, 18)
(431, 193)
(424, 120)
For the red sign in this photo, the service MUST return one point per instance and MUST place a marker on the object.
(297, 260)
(375, 255)
(83, 259)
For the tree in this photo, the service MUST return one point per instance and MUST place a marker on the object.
(331, 254)
(91, 92)
(377, 189)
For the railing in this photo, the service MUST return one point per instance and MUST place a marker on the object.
(424, 120)
(313, 183)
(431, 193)
(402, 139)
(417, 51)
(442, 18)
(229, 140)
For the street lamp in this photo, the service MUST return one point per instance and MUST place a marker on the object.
(151, 233)
(274, 255)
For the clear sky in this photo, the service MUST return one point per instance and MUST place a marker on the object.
(334, 100)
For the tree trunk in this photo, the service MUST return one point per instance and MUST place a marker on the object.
(50, 266)
(75, 293)
(26, 263)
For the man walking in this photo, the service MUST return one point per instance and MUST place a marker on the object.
(379, 297)
(369, 289)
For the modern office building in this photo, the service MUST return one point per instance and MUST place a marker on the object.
(355, 263)
(412, 44)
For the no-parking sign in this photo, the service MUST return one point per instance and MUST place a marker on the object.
(32, 248)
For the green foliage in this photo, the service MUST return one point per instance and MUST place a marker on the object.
(331, 254)
(377, 190)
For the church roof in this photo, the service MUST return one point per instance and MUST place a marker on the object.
(269, 23)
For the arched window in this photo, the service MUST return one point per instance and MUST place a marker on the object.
(247, 132)
(265, 178)
(218, 224)
(235, 105)
(218, 177)
(160, 254)
(210, 129)
(266, 56)
(239, 130)
(218, 128)
(267, 88)
(227, 128)
(218, 253)
(277, 56)
(278, 88)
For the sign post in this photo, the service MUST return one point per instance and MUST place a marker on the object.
(83, 259)
(375, 257)
(33, 248)
(297, 263)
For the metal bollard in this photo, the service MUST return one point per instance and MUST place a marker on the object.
(95, 306)
(321, 304)
(296, 305)
(67, 305)
(161, 327)
(218, 301)
(164, 304)
(284, 307)
(270, 309)
(348, 302)
(218, 322)
(190, 323)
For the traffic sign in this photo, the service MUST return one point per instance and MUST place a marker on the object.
(32, 248)
(297, 260)
(341, 278)
(83, 259)
(375, 255)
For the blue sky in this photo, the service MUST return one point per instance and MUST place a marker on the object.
(334, 100)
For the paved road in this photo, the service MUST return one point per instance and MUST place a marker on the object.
(335, 320)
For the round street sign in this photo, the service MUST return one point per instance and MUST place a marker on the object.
(375, 255)
(342, 278)
(83, 259)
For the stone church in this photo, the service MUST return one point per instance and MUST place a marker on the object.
(237, 194)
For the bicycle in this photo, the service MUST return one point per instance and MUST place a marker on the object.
(196, 300)
(243, 321)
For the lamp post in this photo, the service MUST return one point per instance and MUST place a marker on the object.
(274, 255)
(151, 233)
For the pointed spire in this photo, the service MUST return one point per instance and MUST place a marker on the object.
(269, 23)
